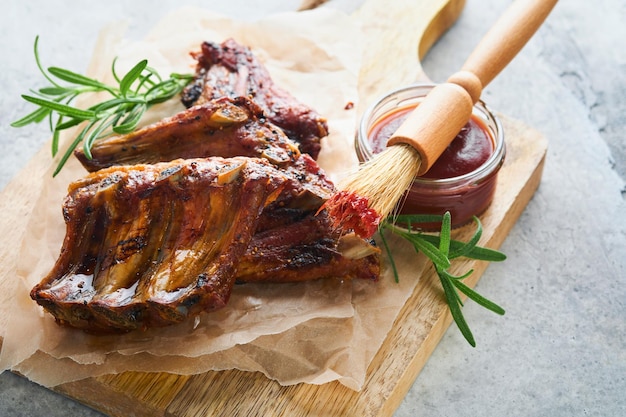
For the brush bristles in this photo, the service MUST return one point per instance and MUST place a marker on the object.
(384, 179)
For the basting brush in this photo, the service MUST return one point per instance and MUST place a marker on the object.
(370, 194)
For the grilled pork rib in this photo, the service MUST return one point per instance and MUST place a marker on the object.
(230, 69)
(223, 127)
(152, 245)
(303, 247)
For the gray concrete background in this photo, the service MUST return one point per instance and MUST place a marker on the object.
(560, 350)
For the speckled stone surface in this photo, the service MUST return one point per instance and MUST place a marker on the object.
(560, 350)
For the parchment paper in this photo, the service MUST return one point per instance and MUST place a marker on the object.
(313, 332)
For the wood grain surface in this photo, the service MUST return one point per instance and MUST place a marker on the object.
(420, 324)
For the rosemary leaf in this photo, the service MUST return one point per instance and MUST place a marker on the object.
(56, 136)
(34, 117)
(132, 76)
(60, 108)
(167, 89)
(38, 62)
(68, 153)
(56, 133)
(421, 245)
(432, 252)
(114, 105)
(477, 252)
(66, 125)
(446, 229)
(153, 73)
(74, 78)
(88, 138)
(477, 298)
(451, 277)
(471, 244)
(114, 72)
(56, 91)
(131, 120)
(455, 310)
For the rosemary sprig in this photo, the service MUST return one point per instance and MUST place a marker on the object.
(441, 249)
(135, 92)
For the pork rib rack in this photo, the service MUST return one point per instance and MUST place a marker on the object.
(224, 127)
(231, 70)
(152, 245)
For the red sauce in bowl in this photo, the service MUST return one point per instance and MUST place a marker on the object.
(463, 179)
(468, 151)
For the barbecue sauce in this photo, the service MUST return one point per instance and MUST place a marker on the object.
(463, 179)
(468, 151)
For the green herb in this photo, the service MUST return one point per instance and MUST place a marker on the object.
(135, 92)
(441, 249)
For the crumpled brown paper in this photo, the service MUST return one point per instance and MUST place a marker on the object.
(313, 332)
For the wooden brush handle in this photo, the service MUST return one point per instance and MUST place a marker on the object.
(447, 108)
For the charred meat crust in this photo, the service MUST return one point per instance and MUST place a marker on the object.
(230, 69)
(301, 247)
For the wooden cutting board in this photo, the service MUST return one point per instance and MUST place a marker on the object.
(420, 324)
